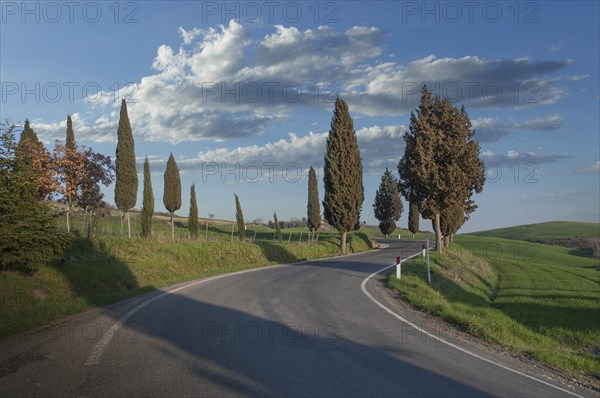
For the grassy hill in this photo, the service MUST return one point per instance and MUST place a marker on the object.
(536, 300)
(546, 230)
(111, 267)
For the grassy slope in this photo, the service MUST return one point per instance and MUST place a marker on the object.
(542, 231)
(533, 299)
(106, 270)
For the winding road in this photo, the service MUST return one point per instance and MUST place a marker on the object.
(321, 328)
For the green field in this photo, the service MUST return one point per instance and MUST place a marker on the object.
(111, 268)
(545, 231)
(533, 299)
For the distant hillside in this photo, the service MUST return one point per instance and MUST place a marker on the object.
(545, 231)
(576, 235)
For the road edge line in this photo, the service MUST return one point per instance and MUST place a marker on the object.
(402, 319)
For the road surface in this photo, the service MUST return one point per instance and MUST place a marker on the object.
(291, 330)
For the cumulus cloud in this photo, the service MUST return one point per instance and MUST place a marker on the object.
(102, 129)
(223, 83)
(304, 151)
(393, 88)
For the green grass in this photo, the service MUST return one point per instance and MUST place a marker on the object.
(106, 270)
(537, 300)
(545, 231)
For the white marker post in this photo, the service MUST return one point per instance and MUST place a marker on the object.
(428, 272)
(398, 268)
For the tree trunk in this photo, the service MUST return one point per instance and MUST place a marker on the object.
(122, 233)
(172, 229)
(438, 233)
(69, 219)
(128, 225)
(446, 241)
(206, 235)
(343, 242)
(451, 238)
(413, 236)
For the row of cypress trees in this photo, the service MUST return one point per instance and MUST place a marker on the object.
(439, 172)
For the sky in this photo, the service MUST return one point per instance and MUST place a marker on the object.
(242, 93)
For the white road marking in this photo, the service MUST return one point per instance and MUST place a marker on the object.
(100, 347)
(394, 314)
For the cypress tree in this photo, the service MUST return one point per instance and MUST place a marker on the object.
(388, 206)
(413, 219)
(277, 227)
(344, 193)
(172, 193)
(70, 143)
(441, 167)
(193, 214)
(126, 184)
(71, 174)
(313, 208)
(239, 217)
(148, 202)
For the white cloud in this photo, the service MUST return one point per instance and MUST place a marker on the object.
(513, 156)
(578, 78)
(490, 129)
(594, 167)
(223, 83)
(189, 35)
(102, 129)
(559, 45)
(380, 146)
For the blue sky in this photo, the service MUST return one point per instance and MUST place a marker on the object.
(242, 93)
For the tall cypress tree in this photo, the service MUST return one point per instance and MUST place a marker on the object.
(172, 193)
(126, 184)
(71, 179)
(148, 202)
(388, 206)
(413, 219)
(70, 143)
(344, 193)
(193, 214)
(313, 208)
(441, 168)
(239, 217)
(277, 227)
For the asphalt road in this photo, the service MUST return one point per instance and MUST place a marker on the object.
(292, 330)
